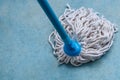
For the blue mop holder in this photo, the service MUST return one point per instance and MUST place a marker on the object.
(71, 47)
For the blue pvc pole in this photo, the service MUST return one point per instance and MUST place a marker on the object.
(71, 47)
(53, 18)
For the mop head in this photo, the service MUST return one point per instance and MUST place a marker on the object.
(92, 31)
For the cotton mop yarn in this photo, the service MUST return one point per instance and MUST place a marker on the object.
(92, 31)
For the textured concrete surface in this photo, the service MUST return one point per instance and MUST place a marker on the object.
(24, 50)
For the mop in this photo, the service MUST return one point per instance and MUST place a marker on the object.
(80, 36)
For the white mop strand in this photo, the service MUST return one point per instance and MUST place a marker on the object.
(94, 33)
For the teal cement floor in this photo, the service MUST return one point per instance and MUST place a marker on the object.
(24, 50)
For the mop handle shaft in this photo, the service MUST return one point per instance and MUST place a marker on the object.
(53, 18)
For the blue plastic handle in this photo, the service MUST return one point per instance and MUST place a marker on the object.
(71, 47)
(53, 18)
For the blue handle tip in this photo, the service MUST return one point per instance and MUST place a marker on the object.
(73, 48)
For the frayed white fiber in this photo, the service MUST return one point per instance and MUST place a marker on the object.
(93, 32)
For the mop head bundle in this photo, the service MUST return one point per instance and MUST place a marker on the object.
(93, 32)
